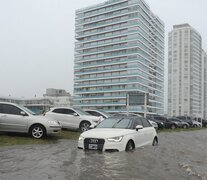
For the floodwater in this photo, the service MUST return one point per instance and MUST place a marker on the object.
(179, 156)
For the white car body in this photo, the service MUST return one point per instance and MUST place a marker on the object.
(117, 138)
(72, 118)
(196, 124)
(15, 118)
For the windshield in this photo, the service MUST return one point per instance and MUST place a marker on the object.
(27, 110)
(120, 123)
(81, 112)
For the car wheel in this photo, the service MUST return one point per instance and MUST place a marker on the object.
(173, 126)
(129, 146)
(155, 141)
(37, 131)
(194, 125)
(184, 126)
(84, 126)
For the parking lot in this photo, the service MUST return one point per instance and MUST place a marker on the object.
(180, 155)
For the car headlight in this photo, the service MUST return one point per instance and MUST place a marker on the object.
(81, 138)
(115, 139)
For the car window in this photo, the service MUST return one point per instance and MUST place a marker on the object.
(145, 122)
(137, 121)
(69, 111)
(93, 113)
(63, 111)
(1, 108)
(60, 111)
(81, 112)
(10, 109)
(116, 122)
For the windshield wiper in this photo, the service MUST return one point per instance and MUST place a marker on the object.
(117, 123)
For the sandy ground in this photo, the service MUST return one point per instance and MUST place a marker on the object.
(179, 156)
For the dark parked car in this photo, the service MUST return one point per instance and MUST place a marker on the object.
(180, 123)
(159, 123)
(190, 121)
(162, 119)
(187, 119)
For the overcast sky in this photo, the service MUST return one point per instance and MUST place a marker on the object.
(37, 40)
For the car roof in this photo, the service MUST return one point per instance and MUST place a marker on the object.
(125, 116)
(129, 114)
(61, 107)
(9, 103)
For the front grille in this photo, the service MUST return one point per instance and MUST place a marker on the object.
(94, 144)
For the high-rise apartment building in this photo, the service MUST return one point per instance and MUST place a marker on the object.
(204, 60)
(119, 49)
(186, 72)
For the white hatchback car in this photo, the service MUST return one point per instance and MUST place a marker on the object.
(73, 118)
(119, 133)
(16, 118)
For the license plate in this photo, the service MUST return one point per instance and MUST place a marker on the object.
(93, 146)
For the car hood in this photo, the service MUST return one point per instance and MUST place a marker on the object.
(106, 132)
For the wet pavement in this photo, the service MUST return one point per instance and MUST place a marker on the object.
(179, 156)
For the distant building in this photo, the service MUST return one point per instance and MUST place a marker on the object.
(119, 49)
(204, 57)
(186, 72)
(59, 97)
(52, 98)
(37, 105)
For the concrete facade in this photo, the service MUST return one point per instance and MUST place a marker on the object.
(119, 49)
(185, 72)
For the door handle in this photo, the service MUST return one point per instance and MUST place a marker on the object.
(3, 116)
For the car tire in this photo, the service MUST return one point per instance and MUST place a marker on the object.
(155, 141)
(37, 131)
(129, 146)
(195, 126)
(173, 126)
(185, 126)
(84, 126)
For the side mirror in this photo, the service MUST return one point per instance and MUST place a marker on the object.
(138, 127)
(75, 114)
(23, 113)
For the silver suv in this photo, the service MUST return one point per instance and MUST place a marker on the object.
(73, 118)
(16, 118)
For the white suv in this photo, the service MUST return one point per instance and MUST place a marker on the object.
(73, 118)
(16, 118)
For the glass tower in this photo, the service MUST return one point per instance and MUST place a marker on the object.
(119, 49)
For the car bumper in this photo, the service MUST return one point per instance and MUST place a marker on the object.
(108, 146)
(54, 129)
